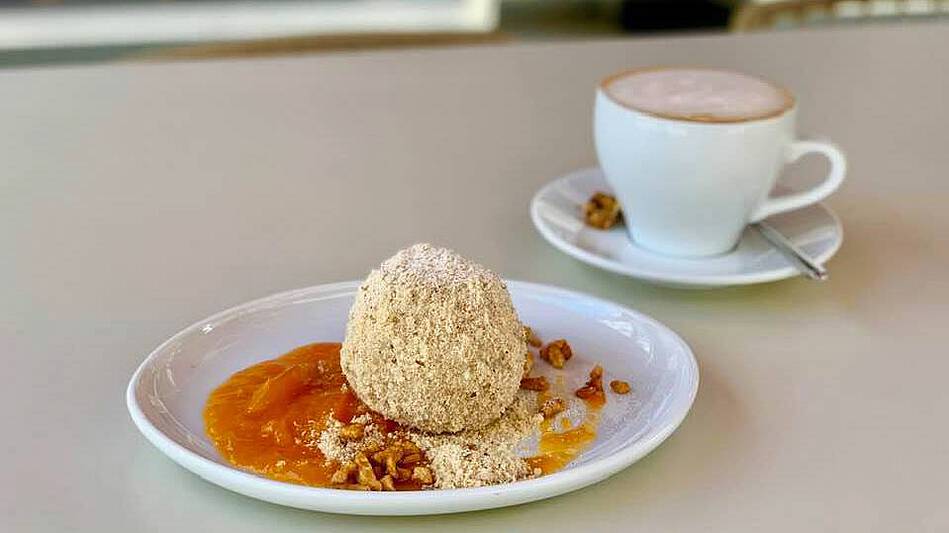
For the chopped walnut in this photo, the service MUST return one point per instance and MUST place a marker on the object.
(379, 468)
(556, 358)
(596, 374)
(601, 211)
(371, 449)
(556, 353)
(389, 458)
(423, 475)
(366, 475)
(553, 406)
(538, 383)
(343, 473)
(532, 337)
(528, 364)
(619, 386)
(352, 432)
(361, 460)
(403, 474)
(585, 392)
(409, 447)
(593, 386)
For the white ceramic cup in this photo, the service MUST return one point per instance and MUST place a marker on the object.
(689, 188)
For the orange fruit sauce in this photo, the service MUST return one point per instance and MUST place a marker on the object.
(267, 418)
(557, 449)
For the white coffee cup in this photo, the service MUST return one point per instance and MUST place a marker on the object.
(689, 184)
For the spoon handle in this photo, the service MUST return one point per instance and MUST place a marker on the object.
(808, 266)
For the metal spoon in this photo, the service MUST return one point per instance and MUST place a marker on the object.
(808, 266)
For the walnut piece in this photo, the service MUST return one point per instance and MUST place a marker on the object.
(585, 392)
(352, 432)
(593, 386)
(378, 468)
(528, 364)
(343, 473)
(553, 406)
(596, 374)
(532, 337)
(601, 211)
(404, 453)
(619, 386)
(538, 383)
(361, 460)
(409, 447)
(556, 353)
(366, 476)
(403, 474)
(411, 458)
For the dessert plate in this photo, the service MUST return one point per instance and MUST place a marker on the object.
(167, 393)
(556, 213)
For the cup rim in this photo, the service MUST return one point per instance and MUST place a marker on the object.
(791, 99)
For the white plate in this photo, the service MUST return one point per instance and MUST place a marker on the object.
(556, 212)
(168, 391)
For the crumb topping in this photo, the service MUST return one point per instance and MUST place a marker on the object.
(486, 456)
(433, 342)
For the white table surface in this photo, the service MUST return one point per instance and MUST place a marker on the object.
(136, 199)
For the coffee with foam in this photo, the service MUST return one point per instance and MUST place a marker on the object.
(698, 95)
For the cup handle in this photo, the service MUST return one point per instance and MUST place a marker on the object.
(790, 202)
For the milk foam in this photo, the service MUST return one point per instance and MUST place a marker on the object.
(698, 94)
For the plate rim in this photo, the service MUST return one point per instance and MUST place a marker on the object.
(410, 502)
(624, 269)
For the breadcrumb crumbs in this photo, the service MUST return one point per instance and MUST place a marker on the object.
(433, 341)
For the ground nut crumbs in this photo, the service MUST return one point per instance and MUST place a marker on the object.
(486, 456)
(336, 448)
(471, 458)
(423, 475)
(433, 341)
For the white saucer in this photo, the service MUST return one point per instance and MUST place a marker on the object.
(167, 393)
(556, 212)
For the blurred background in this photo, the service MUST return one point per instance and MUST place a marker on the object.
(41, 32)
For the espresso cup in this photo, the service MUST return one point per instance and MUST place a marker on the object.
(690, 178)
